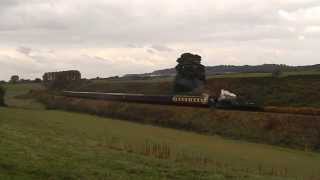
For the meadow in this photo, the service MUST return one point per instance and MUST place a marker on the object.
(226, 75)
(14, 90)
(290, 130)
(42, 144)
(284, 74)
(52, 144)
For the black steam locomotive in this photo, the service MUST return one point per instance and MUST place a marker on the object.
(226, 100)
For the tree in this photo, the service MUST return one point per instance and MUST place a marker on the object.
(190, 73)
(62, 80)
(14, 79)
(37, 80)
(277, 73)
(2, 93)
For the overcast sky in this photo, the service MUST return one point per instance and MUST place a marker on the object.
(115, 37)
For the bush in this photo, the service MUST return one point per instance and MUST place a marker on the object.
(2, 94)
(277, 73)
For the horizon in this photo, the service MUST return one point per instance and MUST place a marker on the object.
(109, 38)
(22, 77)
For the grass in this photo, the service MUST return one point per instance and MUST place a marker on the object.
(255, 75)
(289, 130)
(295, 73)
(41, 144)
(240, 75)
(15, 90)
(226, 75)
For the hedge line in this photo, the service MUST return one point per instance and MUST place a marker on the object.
(297, 131)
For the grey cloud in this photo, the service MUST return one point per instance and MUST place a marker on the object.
(8, 3)
(117, 22)
(11, 65)
(162, 48)
(150, 51)
(134, 46)
(24, 50)
(100, 58)
(296, 5)
(155, 29)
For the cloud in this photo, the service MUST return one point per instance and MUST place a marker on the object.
(150, 51)
(139, 36)
(24, 50)
(301, 37)
(312, 29)
(287, 16)
(161, 48)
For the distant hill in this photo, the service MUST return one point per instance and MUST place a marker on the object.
(223, 69)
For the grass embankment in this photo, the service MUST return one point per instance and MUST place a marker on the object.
(284, 74)
(297, 91)
(15, 90)
(41, 144)
(298, 131)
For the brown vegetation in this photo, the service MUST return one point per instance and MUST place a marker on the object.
(293, 110)
(165, 151)
(291, 130)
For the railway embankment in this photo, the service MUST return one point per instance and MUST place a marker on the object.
(290, 130)
(291, 91)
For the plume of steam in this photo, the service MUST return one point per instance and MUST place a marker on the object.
(226, 95)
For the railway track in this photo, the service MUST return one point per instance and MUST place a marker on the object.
(194, 101)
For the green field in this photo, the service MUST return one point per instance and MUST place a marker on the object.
(248, 75)
(42, 144)
(14, 90)
(57, 145)
(226, 75)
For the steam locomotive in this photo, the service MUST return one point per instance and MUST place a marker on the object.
(226, 100)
